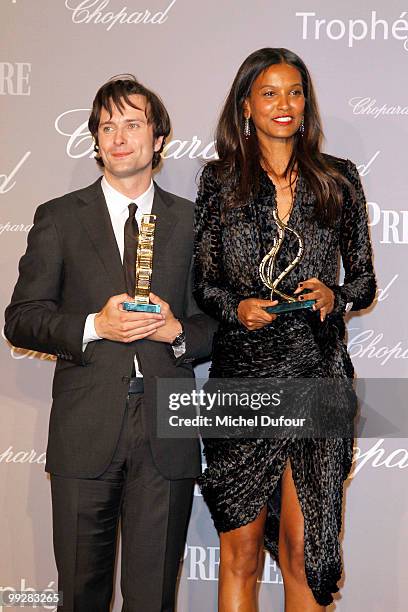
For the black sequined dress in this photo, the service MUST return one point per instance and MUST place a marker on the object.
(244, 475)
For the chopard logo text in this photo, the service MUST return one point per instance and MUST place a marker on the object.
(93, 11)
(369, 107)
(7, 181)
(79, 141)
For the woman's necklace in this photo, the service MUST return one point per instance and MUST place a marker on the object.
(283, 188)
(287, 215)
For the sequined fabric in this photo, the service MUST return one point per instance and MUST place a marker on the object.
(244, 475)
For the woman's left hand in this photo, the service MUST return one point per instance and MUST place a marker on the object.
(320, 292)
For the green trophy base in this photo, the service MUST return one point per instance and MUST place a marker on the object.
(135, 307)
(289, 306)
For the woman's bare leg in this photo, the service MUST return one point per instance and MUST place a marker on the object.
(298, 596)
(241, 562)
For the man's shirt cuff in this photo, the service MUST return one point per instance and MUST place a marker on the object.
(90, 334)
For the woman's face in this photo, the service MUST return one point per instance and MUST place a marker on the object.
(276, 103)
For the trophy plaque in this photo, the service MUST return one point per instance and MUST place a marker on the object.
(144, 268)
(266, 271)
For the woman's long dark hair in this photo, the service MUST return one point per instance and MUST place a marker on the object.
(240, 158)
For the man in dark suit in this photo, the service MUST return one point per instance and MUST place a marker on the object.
(105, 459)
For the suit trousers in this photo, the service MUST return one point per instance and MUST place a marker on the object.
(153, 513)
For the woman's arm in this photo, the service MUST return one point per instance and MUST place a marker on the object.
(210, 290)
(359, 286)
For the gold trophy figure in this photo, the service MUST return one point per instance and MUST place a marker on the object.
(144, 268)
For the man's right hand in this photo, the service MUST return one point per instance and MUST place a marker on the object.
(114, 323)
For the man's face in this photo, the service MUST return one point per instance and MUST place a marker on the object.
(126, 142)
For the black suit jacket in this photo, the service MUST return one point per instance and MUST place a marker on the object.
(71, 267)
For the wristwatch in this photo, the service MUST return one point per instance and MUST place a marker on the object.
(180, 338)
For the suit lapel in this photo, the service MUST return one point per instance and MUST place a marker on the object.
(166, 220)
(94, 215)
(165, 223)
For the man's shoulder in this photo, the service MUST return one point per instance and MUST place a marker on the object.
(178, 203)
(71, 198)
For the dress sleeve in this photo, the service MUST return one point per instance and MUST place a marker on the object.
(359, 286)
(210, 287)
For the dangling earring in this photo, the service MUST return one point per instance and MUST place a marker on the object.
(247, 128)
(302, 127)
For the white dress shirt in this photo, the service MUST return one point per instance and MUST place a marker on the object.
(117, 204)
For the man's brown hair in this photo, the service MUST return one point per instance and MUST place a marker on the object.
(116, 92)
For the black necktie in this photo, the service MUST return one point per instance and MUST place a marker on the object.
(130, 248)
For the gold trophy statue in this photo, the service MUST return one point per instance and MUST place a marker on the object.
(266, 271)
(144, 268)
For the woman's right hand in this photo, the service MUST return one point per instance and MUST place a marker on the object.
(252, 315)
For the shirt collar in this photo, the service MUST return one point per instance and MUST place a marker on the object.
(118, 203)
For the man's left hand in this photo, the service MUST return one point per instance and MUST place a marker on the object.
(318, 291)
(172, 327)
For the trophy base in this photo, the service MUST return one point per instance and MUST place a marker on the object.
(135, 307)
(289, 306)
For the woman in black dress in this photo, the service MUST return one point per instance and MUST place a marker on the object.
(284, 494)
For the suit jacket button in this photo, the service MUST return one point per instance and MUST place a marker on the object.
(126, 379)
